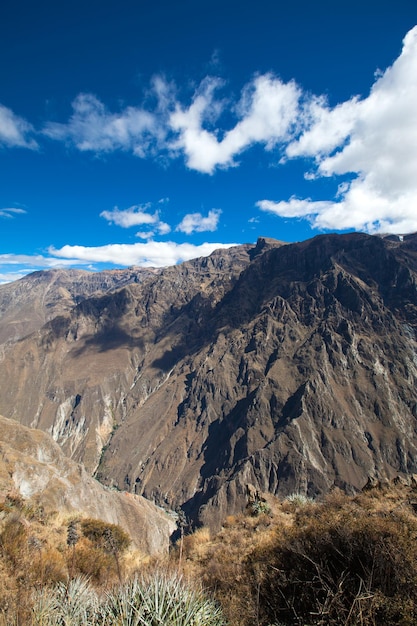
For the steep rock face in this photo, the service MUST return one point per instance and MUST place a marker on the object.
(33, 465)
(288, 367)
(308, 382)
(75, 377)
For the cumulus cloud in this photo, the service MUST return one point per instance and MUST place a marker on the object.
(37, 260)
(15, 266)
(15, 131)
(370, 141)
(10, 213)
(23, 264)
(163, 228)
(137, 215)
(133, 216)
(295, 207)
(267, 111)
(197, 223)
(150, 254)
(93, 127)
(10, 277)
(373, 140)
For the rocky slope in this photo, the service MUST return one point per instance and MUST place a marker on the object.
(287, 367)
(33, 466)
(26, 304)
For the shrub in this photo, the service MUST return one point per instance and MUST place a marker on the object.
(109, 537)
(222, 566)
(340, 567)
(92, 562)
(47, 566)
(299, 499)
(259, 507)
(12, 501)
(13, 539)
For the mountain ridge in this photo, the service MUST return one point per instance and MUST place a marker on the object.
(290, 367)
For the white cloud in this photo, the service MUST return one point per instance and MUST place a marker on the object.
(93, 127)
(150, 254)
(15, 131)
(267, 110)
(197, 223)
(375, 141)
(133, 216)
(326, 129)
(294, 207)
(9, 278)
(23, 264)
(137, 215)
(163, 228)
(370, 141)
(36, 261)
(10, 213)
(145, 234)
(266, 114)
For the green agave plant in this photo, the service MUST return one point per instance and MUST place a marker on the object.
(159, 600)
(70, 604)
(120, 607)
(300, 499)
(163, 600)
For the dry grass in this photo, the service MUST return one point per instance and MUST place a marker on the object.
(34, 554)
(220, 562)
(343, 561)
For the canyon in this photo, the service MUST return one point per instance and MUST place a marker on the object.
(275, 367)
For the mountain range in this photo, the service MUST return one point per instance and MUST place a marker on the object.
(275, 367)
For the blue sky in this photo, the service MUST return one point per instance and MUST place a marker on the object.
(147, 133)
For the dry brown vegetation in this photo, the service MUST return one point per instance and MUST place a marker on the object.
(347, 560)
(37, 551)
(343, 561)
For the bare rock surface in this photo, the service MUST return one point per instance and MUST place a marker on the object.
(34, 466)
(292, 368)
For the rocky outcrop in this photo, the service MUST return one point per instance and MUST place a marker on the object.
(33, 465)
(287, 367)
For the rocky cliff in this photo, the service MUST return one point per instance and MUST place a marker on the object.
(33, 466)
(287, 367)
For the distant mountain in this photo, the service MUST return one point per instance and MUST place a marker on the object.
(26, 304)
(288, 367)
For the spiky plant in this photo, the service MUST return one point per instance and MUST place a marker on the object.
(121, 606)
(72, 539)
(163, 600)
(160, 600)
(72, 604)
(299, 498)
